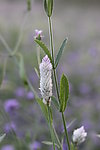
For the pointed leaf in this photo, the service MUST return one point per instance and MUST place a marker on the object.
(55, 102)
(2, 137)
(64, 92)
(3, 72)
(43, 108)
(37, 72)
(60, 52)
(71, 123)
(1, 77)
(50, 143)
(45, 49)
(72, 146)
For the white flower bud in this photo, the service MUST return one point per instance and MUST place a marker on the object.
(45, 80)
(79, 135)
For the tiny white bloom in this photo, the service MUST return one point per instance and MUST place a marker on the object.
(79, 135)
(46, 80)
(38, 34)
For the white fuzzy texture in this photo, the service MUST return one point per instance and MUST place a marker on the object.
(79, 135)
(45, 79)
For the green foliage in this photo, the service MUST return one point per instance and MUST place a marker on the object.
(43, 108)
(45, 49)
(48, 6)
(72, 146)
(2, 137)
(60, 52)
(64, 92)
(1, 77)
(28, 5)
(55, 102)
(50, 143)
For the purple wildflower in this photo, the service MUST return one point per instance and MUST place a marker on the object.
(9, 126)
(8, 147)
(35, 145)
(30, 95)
(20, 92)
(11, 105)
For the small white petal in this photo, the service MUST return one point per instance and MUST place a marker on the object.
(79, 135)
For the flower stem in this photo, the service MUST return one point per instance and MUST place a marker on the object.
(51, 40)
(56, 81)
(50, 127)
(66, 132)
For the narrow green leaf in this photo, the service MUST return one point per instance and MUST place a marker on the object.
(49, 143)
(3, 71)
(1, 77)
(37, 72)
(45, 49)
(2, 137)
(55, 102)
(43, 108)
(72, 146)
(60, 52)
(22, 69)
(64, 92)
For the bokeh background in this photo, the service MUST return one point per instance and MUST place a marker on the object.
(79, 21)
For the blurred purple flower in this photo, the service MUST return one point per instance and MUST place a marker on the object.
(84, 88)
(30, 95)
(20, 92)
(8, 147)
(64, 146)
(11, 105)
(35, 145)
(9, 126)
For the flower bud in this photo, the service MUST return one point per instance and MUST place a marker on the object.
(45, 80)
(48, 6)
(79, 135)
(38, 34)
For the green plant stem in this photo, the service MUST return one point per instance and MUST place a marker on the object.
(66, 132)
(51, 130)
(38, 55)
(56, 81)
(51, 40)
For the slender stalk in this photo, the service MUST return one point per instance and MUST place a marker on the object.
(51, 40)
(20, 35)
(38, 55)
(65, 130)
(55, 78)
(50, 126)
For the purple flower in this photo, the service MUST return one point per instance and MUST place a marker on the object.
(9, 126)
(30, 95)
(11, 105)
(20, 92)
(35, 145)
(8, 147)
(38, 34)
